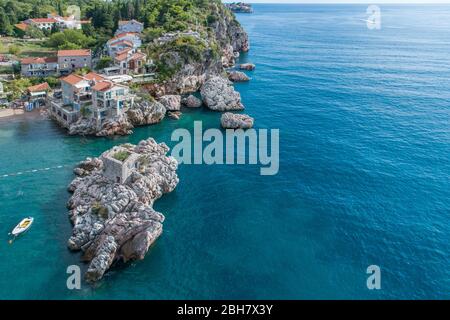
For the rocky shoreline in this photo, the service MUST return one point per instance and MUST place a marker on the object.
(113, 220)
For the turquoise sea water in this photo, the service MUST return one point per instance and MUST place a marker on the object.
(364, 119)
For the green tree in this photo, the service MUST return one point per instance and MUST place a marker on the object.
(104, 62)
(13, 49)
(5, 25)
(70, 39)
(34, 32)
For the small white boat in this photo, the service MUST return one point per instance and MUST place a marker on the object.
(23, 226)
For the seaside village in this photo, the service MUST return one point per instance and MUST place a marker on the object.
(99, 95)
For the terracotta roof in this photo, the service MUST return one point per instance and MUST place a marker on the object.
(43, 20)
(126, 42)
(138, 56)
(74, 53)
(39, 60)
(123, 51)
(21, 26)
(94, 76)
(121, 57)
(39, 87)
(102, 86)
(73, 79)
(124, 34)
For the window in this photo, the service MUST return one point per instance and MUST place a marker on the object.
(118, 179)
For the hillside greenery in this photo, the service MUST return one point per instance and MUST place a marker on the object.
(168, 15)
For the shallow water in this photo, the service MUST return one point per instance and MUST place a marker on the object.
(364, 174)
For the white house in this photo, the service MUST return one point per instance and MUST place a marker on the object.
(129, 26)
(69, 22)
(109, 99)
(41, 23)
(122, 41)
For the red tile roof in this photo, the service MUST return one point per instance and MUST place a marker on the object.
(21, 26)
(74, 53)
(121, 57)
(73, 79)
(39, 87)
(124, 34)
(126, 42)
(39, 60)
(123, 51)
(94, 76)
(102, 86)
(43, 20)
(138, 56)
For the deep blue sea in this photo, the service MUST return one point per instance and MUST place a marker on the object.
(364, 119)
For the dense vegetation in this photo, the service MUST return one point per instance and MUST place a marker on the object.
(168, 15)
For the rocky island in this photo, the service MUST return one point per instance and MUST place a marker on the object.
(111, 208)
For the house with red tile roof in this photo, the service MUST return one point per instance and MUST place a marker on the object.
(123, 41)
(37, 96)
(69, 22)
(131, 62)
(91, 95)
(109, 99)
(39, 67)
(41, 23)
(69, 60)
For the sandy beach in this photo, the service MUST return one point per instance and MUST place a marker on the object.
(5, 113)
(10, 114)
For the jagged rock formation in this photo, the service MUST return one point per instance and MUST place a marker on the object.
(116, 221)
(119, 126)
(236, 121)
(219, 95)
(237, 76)
(191, 102)
(142, 113)
(171, 102)
(146, 112)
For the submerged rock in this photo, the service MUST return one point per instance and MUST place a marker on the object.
(171, 102)
(174, 115)
(218, 94)
(115, 221)
(236, 121)
(191, 102)
(247, 66)
(237, 76)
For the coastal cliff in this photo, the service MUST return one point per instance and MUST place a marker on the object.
(111, 208)
(185, 60)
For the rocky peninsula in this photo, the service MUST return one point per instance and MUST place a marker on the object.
(111, 208)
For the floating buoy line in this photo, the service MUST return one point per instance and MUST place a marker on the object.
(31, 171)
